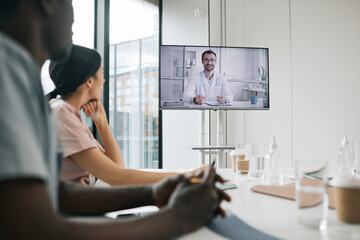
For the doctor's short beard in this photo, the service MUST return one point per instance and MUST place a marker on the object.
(209, 67)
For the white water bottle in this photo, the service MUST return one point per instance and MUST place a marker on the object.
(346, 157)
(273, 174)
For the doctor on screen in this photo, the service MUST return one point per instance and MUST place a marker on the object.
(207, 85)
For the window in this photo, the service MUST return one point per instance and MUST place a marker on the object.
(134, 80)
(133, 74)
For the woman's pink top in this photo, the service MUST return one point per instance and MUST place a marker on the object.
(74, 136)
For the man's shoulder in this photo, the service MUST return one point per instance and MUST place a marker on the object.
(13, 51)
(17, 68)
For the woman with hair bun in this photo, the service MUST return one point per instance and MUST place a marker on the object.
(79, 83)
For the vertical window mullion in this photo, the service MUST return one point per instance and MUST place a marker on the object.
(140, 107)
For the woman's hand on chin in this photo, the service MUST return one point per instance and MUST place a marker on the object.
(95, 110)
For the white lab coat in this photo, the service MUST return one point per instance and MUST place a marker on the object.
(199, 84)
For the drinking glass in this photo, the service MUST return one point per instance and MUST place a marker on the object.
(311, 194)
(257, 159)
(356, 148)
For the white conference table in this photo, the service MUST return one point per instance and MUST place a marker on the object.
(272, 215)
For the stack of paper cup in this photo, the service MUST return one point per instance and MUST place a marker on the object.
(347, 198)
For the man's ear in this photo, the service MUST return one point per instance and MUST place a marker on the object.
(46, 6)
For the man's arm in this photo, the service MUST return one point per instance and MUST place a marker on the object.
(77, 199)
(190, 90)
(26, 213)
(96, 112)
(225, 89)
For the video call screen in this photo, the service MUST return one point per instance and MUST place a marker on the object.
(196, 77)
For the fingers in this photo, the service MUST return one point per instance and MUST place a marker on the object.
(199, 99)
(180, 186)
(163, 189)
(224, 195)
(91, 108)
(220, 179)
(171, 182)
(176, 179)
(221, 212)
(221, 99)
(199, 173)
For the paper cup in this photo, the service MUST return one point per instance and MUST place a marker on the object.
(347, 199)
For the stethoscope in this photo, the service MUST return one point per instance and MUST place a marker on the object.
(202, 82)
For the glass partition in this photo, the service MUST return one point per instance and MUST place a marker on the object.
(133, 113)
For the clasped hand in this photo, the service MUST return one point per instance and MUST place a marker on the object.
(194, 204)
(221, 99)
(199, 99)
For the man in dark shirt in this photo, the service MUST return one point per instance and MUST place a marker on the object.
(33, 203)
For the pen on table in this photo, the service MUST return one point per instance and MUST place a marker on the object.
(198, 179)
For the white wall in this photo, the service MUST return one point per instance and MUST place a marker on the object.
(180, 26)
(185, 22)
(325, 57)
(254, 23)
(314, 50)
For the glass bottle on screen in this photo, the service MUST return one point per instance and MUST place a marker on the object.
(346, 157)
(272, 173)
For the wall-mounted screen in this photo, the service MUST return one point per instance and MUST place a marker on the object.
(195, 77)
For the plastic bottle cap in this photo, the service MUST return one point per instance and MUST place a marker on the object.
(273, 144)
(345, 140)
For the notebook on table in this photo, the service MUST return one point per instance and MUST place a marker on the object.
(287, 191)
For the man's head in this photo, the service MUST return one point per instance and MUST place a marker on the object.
(208, 59)
(41, 26)
(7, 8)
(57, 35)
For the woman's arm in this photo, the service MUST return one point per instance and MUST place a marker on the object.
(99, 165)
(95, 111)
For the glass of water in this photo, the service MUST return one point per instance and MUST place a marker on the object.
(311, 193)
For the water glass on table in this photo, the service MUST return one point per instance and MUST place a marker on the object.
(311, 195)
